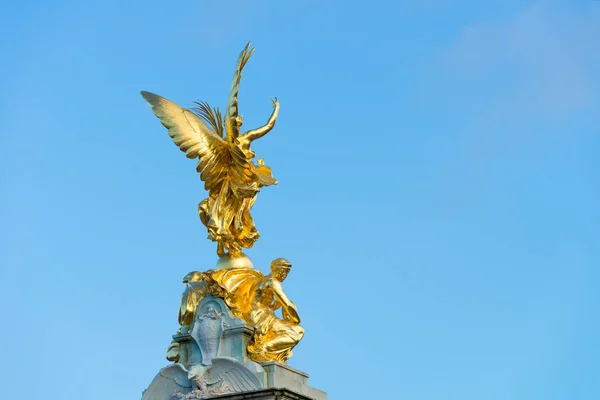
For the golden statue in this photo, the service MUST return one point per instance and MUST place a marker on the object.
(254, 298)
(225, 162)
(233, 182)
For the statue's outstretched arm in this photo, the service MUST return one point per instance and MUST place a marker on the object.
(260, 132)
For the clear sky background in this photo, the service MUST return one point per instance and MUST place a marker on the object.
(439, 187)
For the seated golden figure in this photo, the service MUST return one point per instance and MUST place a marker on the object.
(274, 338)
(254, 298)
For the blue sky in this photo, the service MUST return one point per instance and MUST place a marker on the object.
(438, 197)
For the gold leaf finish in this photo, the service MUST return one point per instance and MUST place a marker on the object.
(224, 163)
(254, 298)
(233, 180)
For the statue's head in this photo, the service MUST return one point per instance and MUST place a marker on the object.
(280, 268)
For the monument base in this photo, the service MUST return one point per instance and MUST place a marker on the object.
(213, 363)
(266, 394)
(282, 376)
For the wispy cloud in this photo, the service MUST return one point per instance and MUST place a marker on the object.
(525, 87)
(545, 58)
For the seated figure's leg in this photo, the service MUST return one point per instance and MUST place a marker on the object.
(284, 338)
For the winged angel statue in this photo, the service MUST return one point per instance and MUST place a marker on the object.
(224, 162)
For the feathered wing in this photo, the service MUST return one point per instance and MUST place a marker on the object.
(219, 161)
(235, 374)
(232, 130)
(210, 116)
(169, 380)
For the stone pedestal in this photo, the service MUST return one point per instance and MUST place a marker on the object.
(214, 363)
(283, 376)
(235, 338)
(266, 394)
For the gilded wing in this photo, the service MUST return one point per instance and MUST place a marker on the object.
(210, 116)
(232, 128)
(219, 161)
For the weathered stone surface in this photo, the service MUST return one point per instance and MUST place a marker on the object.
(229, 339)
(266, 394)
(283, 376)
(169, 380)
(214, 364)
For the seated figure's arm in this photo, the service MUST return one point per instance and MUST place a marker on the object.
(289, 310)
(276, 304)
(260, 132)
